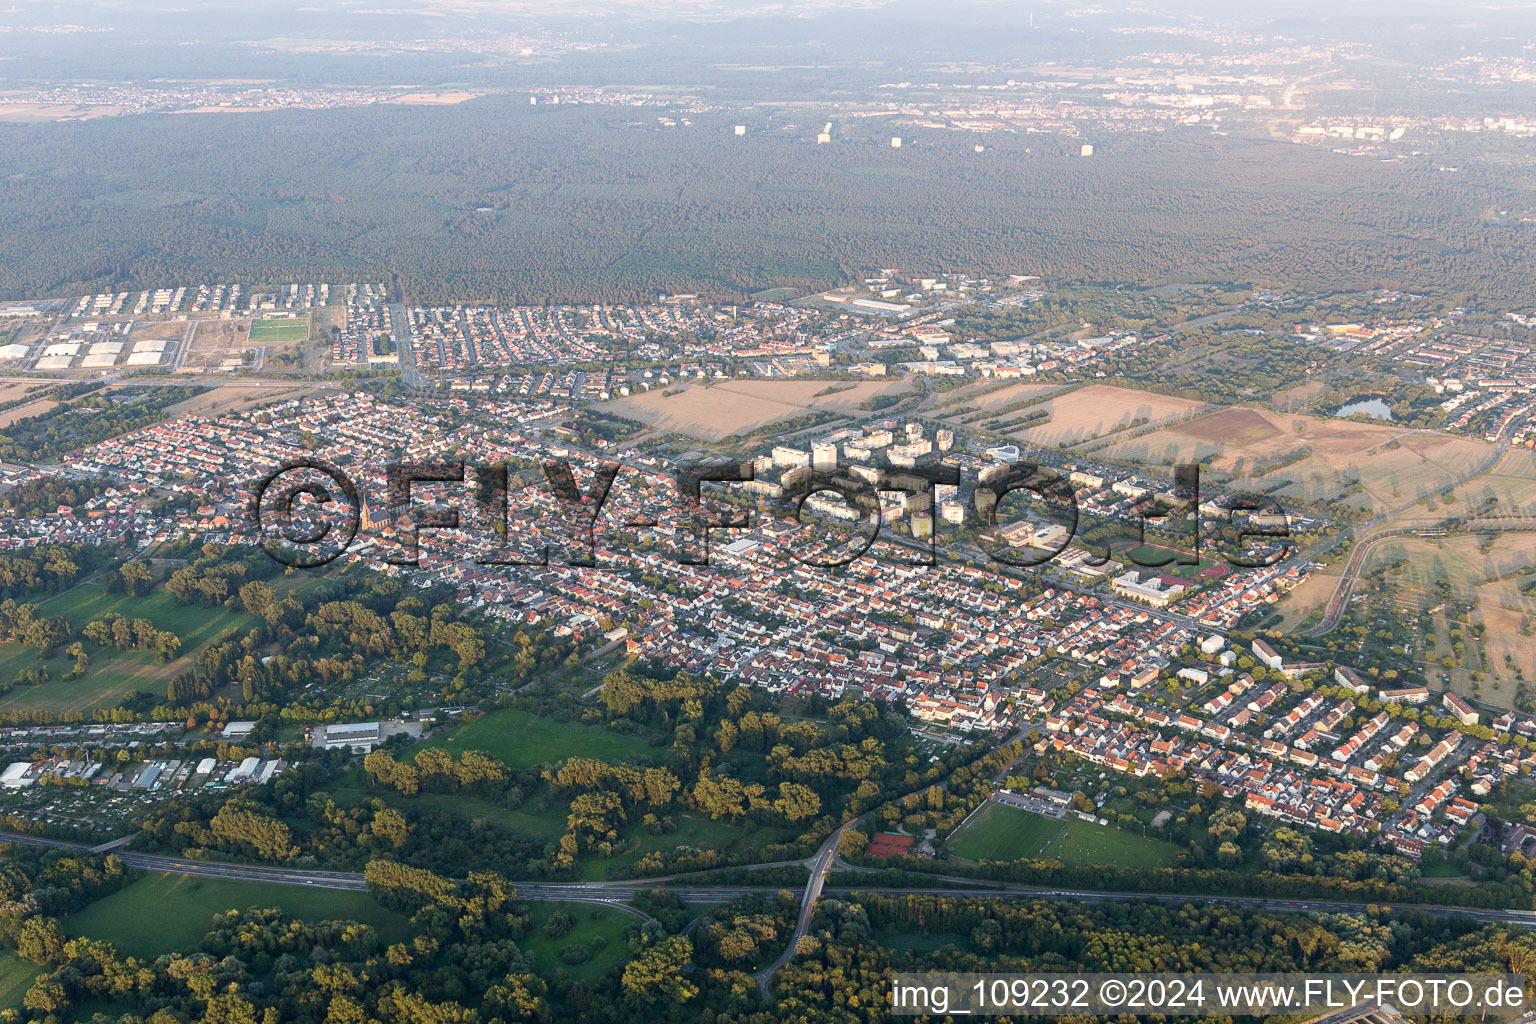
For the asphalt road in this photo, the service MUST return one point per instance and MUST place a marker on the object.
(400, 327)
(618, 894)
(821, 865)
(1364, 538)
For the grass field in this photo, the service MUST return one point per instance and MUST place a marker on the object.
(984, 402)
(1506, 490)
(538, 817)
(237, 397)
(1492, 580)
(136, 920)
(1000, 832)
(698, 832)
(16, 977)
(195, 625)
(280, 331)
(590, 923)
(112, 671)
(523, 740)
(1145, 554)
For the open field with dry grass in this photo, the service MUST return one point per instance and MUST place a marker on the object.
(981, 401)
(1464, 561)
(740, 406)
(1311, 596)
(1299, 397)
(11, 392)
(436, 99)
(21, 412)
(215, 342)
(1487, 575)
(235, 397)
(1509, 489)
(167, 330)
(1381, 465)
(1099, 409)
(18, 111)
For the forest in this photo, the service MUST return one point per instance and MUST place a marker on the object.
(492, 200)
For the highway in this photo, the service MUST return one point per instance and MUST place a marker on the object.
(821, 865)
(619, 894)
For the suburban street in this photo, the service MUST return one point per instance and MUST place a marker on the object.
(400, 327)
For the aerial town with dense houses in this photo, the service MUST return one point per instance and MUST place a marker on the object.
(1128, 667)
(1124, 667)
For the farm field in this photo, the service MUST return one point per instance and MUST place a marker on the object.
(1000, 832)
(523, 740)
(124, 917)
(741, 406)
(1100, 409)
(1381, 465)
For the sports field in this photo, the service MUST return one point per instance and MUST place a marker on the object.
(281, 331)
(134, 917)
(1000, 832)
(523, 740)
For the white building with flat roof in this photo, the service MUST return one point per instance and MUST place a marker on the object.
(363, 736)
(15, 775)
